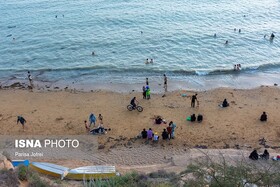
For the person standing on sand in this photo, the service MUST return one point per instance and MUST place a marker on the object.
(165, 83)
(30, 79)
(173, 126)
(100, 118)
(22, 121)
(194, 98)
(86, 126)
(92, 119)
(144, 92)
(169, 131)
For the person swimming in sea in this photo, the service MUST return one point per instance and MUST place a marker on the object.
(272, 36)
(226, 42)
(215, 35)
(147, 61)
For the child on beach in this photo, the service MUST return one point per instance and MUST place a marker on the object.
(22, 121)
(86, 126)
(100, 118)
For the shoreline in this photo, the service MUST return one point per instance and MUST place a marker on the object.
(237, 80)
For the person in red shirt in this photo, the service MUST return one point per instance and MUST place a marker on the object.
(169, 131)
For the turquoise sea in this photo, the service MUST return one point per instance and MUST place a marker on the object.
(55, 39)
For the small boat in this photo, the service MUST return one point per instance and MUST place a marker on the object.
(20, 162)
(91, 172)
(50, 169)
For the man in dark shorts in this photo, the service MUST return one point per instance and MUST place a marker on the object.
(194, 98)
(133, 102)
(22, 121)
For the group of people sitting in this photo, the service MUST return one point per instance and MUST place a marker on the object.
(255, 156)
(193, 118)
(159, 120)
(167, 133)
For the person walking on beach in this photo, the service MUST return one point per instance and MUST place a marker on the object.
(100, 118)
(22, 121)
(92, 119)
(165, 83)
(194, 98)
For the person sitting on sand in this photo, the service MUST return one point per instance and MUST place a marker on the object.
(158, 120)
(265, 155)
(92, 119)
(193, 118)
(99, 130)
(150, 134)
(254, 155)
(155, 137)
(22, 121)
(164, 134)
(144, 134)
(86, 126)
(225, 103)
(263, 117)
(199, 118)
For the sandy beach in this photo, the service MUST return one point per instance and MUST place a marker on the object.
(50, 113)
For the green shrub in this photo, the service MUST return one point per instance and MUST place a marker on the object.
(22, 172)
(35, 180)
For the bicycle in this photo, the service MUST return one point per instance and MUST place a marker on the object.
(138, 107)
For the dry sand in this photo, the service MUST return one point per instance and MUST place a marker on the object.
(63, 113)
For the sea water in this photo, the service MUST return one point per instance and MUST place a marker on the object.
(55, 40)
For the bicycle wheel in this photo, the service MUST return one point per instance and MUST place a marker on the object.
(139, 108)
(129, 107)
